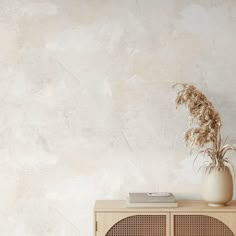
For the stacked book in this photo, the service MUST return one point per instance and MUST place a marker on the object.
(159, 199)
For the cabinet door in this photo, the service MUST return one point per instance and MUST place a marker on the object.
(132, 224)
(203, 224)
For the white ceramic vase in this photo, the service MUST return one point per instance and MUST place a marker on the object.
(217, 187)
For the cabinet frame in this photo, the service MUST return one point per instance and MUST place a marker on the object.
(108, 212)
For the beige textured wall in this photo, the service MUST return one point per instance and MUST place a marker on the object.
(87, 109)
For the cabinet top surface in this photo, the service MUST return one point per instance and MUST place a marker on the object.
(184, 206)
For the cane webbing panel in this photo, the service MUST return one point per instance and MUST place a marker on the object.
(199, 225)
(140, 225)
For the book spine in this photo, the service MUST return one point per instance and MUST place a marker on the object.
(152, 205)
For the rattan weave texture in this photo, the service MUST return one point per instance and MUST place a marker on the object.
(199, 225)
(140, 225)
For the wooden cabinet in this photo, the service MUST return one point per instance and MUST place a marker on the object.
(191, 218)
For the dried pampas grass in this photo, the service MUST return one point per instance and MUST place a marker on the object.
(206, 124)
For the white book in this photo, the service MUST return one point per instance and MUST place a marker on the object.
(158, 197)
(152, 205)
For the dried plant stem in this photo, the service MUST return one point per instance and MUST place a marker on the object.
(206, 125)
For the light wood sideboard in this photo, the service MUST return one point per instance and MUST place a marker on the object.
(191, 218)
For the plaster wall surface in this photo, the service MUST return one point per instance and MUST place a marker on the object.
(87, 108)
